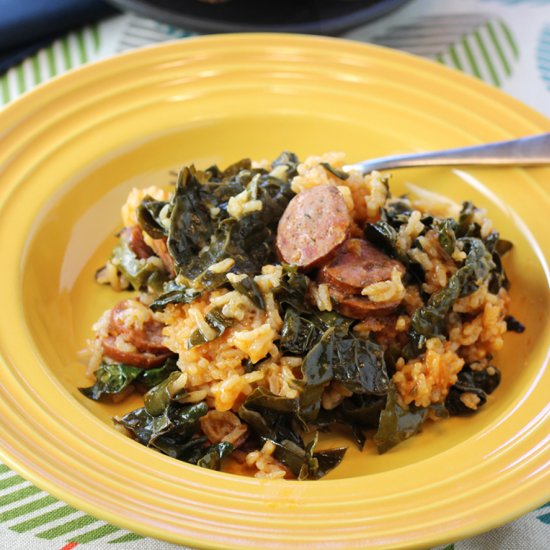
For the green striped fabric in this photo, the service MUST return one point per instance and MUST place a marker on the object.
(73, 50)
(479, 44)
(27, 510)
(488, 52)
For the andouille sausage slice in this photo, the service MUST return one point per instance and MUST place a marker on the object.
(134, 237)
(357, 264)
(356, 306)
(145, 360)
(147, 339)
(161, 250)
(315, 223)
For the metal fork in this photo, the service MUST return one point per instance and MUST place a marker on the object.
(525, 151)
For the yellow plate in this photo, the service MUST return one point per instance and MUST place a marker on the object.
(71, 150)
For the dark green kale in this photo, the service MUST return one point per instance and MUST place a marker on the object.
(445, 228)
(288, 160)
(249, 288)
(217, 321)
(280, 420)
(148, 214)
(173, 428)
(340, 174)
(397, 423)
(429, 320)
(202, 233)
(513, 325)
(114, 378)
(356, 363)
(306, 463)
(141, 273)
(479, 383)
(174, 294)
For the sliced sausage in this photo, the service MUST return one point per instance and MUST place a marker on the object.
(356, 306)
(134, 237)
(145, 360)
(148, 339)
(161, 250)
(315, 223)
(357, 264)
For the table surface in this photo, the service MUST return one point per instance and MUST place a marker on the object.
(504, 42)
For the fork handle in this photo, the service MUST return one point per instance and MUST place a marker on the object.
(524, 151)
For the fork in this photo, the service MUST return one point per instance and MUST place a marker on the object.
(526, 151)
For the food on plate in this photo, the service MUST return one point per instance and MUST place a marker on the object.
(268, 302)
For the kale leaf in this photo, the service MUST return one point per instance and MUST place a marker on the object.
(197, 239)
(479, 383)
(175, 431)
(114, 378)
(148, 214)
(173, 293)
(397, 423)
(430, 320)
(171, 429)
(356, 363)
(250, 289)
(139, 272)
(306, 463)
(217, 321)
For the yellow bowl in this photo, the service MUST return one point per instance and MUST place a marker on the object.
(72, 149)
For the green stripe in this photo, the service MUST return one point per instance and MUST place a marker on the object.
(18, 495)
(471, 58)
(81, 47)
(95, 36)
(128, 537)
(72, 525)
(498, 48)
(509, 38)
(66, 53)
(51, 61)
(487, 58)
(11, 481)
(21, 84)
(36, 71)
(439, 58)
(27, 508)
(455, 59)
(3, 469)
(98, 533)
(42, 519)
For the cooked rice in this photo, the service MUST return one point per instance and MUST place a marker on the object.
(386, 291)
(242, 204)
(427, 378)
(368, 192)
(267, 466)
(222, 266)
(321, 297)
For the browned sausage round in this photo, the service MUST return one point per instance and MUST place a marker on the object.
(161, 250)
(358, 264)
(314, 224)
(145, 360)
(148, 339)
(134, 237)
(353, 305)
